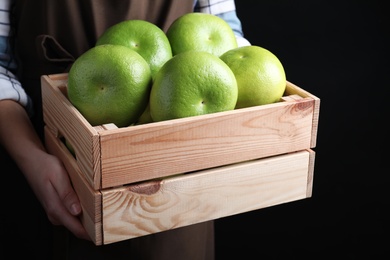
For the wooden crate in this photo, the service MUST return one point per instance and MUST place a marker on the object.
(183, 171)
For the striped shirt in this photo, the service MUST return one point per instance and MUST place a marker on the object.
(10, 87)
(4, 17)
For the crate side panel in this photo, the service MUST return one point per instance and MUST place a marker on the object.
(179, 201)
(178, 146)
(292, 89)
(65, 120)
(89, 199)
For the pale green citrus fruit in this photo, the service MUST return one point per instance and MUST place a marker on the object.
(192, 83)
(110, 84)
(70, 147)
(145, 118)
(260, 75)
(143, 37)
(201, 32)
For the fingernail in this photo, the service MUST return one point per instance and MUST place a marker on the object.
(75, 209)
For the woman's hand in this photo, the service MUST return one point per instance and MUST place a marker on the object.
(45, 173)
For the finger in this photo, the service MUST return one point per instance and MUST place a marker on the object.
(74, 225)
(67, 194)
(58, 214)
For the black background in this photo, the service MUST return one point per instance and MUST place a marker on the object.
(338, 51)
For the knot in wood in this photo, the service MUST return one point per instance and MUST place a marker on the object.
(147, 188)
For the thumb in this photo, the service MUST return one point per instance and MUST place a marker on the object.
(68, 195)
(70, 200)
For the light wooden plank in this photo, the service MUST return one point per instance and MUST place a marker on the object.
(155, 206)
(90, 199)
(184, 145)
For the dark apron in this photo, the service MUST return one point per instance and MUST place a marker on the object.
(50, 35)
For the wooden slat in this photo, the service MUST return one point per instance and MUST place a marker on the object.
(159, 205)
(189, 144)
(90, 199)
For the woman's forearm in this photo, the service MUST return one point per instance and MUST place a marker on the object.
(18, 136)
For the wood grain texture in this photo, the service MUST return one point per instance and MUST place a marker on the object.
(190, 144)
(292, 89)
(89, 198)
(134, 210)
(159, 205)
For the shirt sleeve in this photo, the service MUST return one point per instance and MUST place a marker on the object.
(226, 9)
(10, 87)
